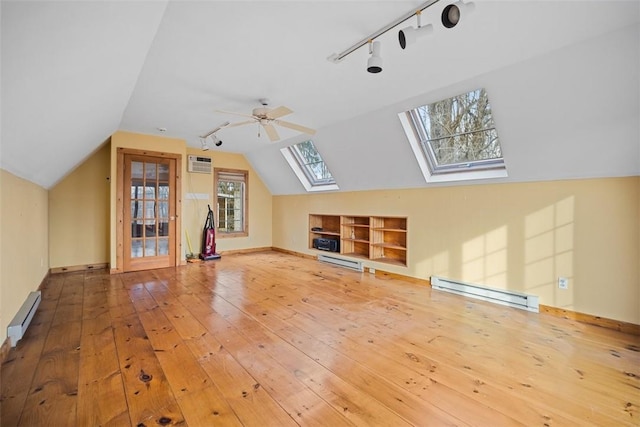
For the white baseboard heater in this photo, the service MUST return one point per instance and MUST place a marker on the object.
(354, 265)
(498, 296)
(21, 321)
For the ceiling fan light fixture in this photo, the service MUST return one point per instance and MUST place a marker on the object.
(374, 64)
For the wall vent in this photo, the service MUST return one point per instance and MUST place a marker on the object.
(20, 322)
(199, 164)
(354, 265)
(498, 296)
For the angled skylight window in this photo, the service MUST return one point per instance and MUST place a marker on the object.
(456, 138)
(309, 167)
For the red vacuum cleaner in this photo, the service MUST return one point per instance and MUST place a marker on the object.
(209, 239)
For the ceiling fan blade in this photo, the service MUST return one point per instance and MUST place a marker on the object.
(271, 132)
(295, 126)
(231, 112)
(246, 122)
(279, 112)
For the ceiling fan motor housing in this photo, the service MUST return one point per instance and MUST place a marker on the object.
(261, 112)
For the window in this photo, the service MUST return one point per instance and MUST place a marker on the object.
(308, 165)
(231, 186)
(456, 138)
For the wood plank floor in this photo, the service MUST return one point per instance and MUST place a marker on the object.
(270, 339)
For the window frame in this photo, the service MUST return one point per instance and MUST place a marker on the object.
(293, 156)
(244, 174)
(425, 155)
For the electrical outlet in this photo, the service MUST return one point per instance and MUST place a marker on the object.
(563, 283)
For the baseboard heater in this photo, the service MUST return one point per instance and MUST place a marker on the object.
(354, 265)
(20, 322)
(498, 296)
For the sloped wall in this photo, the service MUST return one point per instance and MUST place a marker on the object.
(79, 214)
(519, 236)
(23, 243)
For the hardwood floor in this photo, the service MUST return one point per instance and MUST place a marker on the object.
(270, 339)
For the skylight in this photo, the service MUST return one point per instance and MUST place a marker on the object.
(309, 167)
(456, 138)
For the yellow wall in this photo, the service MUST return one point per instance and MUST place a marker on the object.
(79, 214)
(517, 236)
(24, 248)
(194, 211)
(195, 208)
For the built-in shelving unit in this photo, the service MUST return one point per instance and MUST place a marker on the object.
(381, 239)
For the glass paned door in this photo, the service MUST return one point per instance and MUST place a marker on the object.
(149, 214)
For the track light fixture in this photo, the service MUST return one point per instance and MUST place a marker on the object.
(409, 35)
(374, 64)
(452, 14)
(217, 141)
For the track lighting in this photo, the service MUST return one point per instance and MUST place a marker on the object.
(214, 138)
(408, 35)
(374, 64)
(452, 14)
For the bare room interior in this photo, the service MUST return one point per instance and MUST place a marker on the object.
(315, 212)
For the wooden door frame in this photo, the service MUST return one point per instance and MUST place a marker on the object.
(121, 152)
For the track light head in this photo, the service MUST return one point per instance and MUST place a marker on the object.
(409, 35)
(218, 142)
(203, 143)
(452, 14)
(374, 64)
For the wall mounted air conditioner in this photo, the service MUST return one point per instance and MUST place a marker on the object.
(199, 164)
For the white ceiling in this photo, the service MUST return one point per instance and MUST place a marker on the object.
(75, 72)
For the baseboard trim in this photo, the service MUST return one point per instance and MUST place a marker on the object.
(294, 253)
(603, 322)
(388, 275)
(86, 267)
(246, 251)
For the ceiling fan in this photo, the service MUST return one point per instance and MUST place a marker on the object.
(267, 118)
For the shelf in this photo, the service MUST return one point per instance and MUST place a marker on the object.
(376, 238)
(394, 230)
(326, 233)
(355, 255)
(390, 246)
(355, 240)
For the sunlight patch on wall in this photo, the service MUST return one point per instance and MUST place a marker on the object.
(484, 259)
(548, 253)
(437, 265)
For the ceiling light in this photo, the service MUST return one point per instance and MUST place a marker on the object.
(203, 142)
(408, 35)
(452, 14)
(374, 64)
(337, 57)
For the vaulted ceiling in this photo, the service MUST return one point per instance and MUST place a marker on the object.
(562, 77)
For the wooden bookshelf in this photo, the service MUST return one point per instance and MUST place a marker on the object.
(380, 239)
